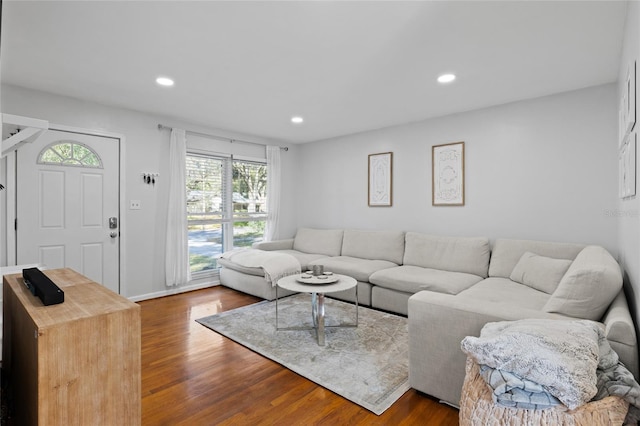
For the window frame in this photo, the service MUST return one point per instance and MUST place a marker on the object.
(227, 216)
(79, 162)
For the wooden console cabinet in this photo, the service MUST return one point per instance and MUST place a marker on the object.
(75, 363)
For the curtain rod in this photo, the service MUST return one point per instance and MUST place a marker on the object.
(206, 135)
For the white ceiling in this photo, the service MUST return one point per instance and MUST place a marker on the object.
(346, 67)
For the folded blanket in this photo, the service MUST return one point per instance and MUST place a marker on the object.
(512, 391)
(275, 265)
(561, 356)
(614, 379)
(534, 364)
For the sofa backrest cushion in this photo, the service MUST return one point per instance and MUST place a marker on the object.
(455, 254)
(374, 245)
(506, 253)
(319, 241)
(540, 272)
(587, 289)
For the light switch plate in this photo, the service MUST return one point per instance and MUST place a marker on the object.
(134, 205)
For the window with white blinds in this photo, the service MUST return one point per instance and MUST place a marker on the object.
(226, 206)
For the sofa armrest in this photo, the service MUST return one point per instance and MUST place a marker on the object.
(437, 324)
(618, 323)
(274, 245)
(621, 332)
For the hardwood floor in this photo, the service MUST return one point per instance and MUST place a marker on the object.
(194, 376)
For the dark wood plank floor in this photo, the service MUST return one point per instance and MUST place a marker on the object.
(194, 376)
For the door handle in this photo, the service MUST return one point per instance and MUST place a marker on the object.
(113, 234)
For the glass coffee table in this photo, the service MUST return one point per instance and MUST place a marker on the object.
(318, 288)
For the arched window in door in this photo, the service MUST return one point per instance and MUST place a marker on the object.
(69, 153)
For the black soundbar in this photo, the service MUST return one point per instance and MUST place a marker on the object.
(40, 285)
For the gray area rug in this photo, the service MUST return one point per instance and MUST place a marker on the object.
(368, 365)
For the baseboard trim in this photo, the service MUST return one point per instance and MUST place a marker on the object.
(172, 291)
(449, 404)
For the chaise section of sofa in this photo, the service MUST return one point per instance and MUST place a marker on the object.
(436, 263)
(356, 253)
(527, 279)
(307, 246)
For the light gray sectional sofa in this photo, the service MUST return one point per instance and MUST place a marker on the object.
(527, 279)
(451, 286)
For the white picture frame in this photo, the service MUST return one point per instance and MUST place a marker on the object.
(631, 96)
(622, 121)
(380, 186)
(447, 174)
(627, 166)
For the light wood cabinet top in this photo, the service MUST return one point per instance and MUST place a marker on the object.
(83, 298)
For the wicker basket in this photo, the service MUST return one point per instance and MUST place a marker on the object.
(477, 408)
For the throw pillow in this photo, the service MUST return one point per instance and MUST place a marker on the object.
(587, 289)
(540, 272)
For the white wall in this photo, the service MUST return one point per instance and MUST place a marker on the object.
(543, 169)
(628, 210)
(540, 169)
(146, 150)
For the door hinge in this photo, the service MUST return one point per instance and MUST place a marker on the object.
(15, 224)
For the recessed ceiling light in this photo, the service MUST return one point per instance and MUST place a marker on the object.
(446, 78)
(297, 120)
(164, 81)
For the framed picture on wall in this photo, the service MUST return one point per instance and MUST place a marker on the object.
(631, 96)
(447, 174)
(627, 111)
(627, 166)
(381, 179)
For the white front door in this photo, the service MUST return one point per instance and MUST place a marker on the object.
(68, 204)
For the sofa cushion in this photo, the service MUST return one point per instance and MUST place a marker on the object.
(244, 269)
(454, 254)
(506, 253)
(374, 245)
(506, 292)
(587, 289)
(411, 279)
(303, 258)
(539, 272)
(318, 241)
(360, 269)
